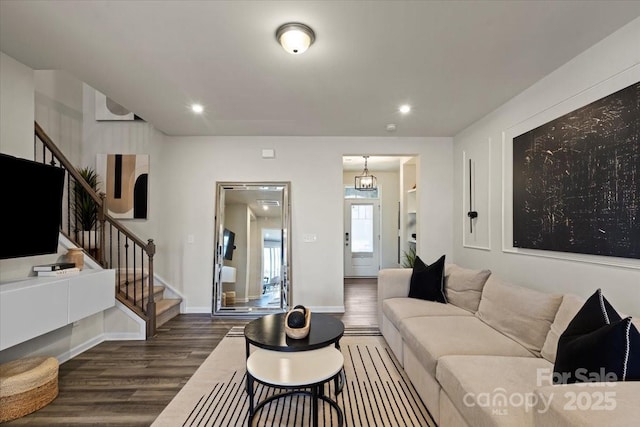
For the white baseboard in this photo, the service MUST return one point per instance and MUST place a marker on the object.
(197, 310)
(68, 355)
(125, 336)
(326, 309)
(98, 339)
(317, 309)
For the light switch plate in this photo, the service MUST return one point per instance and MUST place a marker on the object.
(309, 238)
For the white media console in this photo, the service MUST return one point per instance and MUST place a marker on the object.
(37, 305)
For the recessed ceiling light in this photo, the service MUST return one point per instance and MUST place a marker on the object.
(404, 109)
(197, 108)
(265, 207)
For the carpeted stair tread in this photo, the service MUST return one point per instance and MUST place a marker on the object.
(143, 298)
(167, 309)
(158, 290)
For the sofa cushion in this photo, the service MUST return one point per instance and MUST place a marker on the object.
(569, 306)
(487, 390)
(597, 343)
(427, 281)
(433, 337)
(589, 405)
(397, 309)
(463, 286)
(522, 314)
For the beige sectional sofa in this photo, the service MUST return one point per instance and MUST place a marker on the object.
(486, 357)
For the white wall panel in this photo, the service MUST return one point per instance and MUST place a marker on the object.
(614, 56)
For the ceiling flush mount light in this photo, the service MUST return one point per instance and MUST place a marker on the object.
(405, 109)
(295, 38)
(366, 181)
(197, 108)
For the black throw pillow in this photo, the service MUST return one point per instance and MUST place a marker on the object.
(598, 345)
(427, 281)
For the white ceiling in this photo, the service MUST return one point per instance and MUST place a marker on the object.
(454, 61)
(251, 198)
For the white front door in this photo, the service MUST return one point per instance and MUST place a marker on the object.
(361, 238)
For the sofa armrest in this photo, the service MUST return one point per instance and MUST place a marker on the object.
(392, 283)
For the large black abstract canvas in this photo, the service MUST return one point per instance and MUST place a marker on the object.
(576, 180)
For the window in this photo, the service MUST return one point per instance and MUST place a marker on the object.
(350, 192)
(272, 261)
(362, 228)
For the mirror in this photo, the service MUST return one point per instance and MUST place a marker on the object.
(252, 248)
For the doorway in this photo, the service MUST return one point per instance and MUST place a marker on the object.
(395, 200)
(361, 237)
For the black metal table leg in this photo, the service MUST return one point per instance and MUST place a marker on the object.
(339, 381)
(250, 392)
(314, 403)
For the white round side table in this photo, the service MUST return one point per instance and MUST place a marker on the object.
(295, 370)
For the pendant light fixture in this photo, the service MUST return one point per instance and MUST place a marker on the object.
(366, 181)
(295, 37)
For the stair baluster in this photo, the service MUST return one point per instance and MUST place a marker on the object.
(108, 232)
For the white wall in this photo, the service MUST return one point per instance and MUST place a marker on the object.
(184, 170)
(607, 66)
(16, 139)
(257, 246)
(389, 183)
(61, 87)
(237, 218)
(409, 223)
(16, 108)
(124, 137)
(58, 110)
(313, 165)
(17, 113)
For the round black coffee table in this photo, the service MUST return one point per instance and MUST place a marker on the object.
(267, 332)
(269, 335)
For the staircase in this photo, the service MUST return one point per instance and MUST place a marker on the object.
(131, 284)
(110, 243)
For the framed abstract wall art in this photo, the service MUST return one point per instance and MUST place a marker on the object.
(576, 180)
(125, 181)
(108, 110)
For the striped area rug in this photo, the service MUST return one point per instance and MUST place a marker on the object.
(376, 393)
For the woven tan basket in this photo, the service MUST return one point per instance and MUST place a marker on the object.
(27, 385)
(298, 333)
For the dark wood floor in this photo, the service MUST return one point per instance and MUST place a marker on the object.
(128, 383)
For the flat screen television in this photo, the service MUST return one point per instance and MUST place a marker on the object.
(31, 207)
(228, 243)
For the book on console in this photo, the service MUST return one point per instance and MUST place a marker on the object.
(54, 267)
(60, 273)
